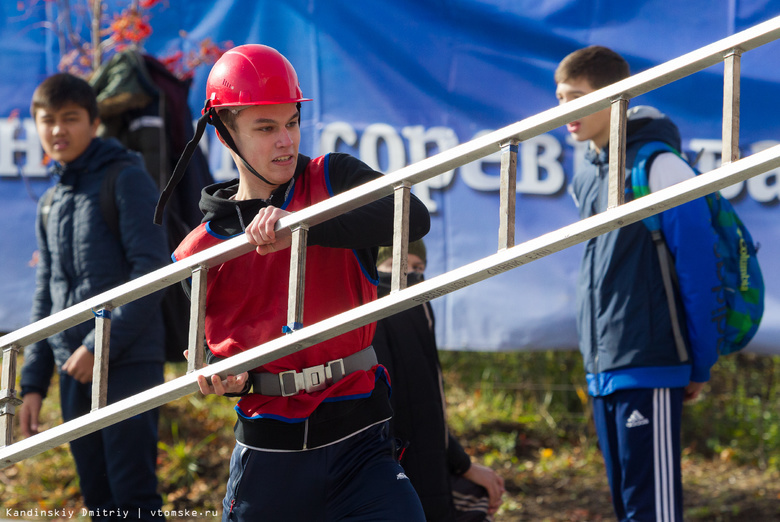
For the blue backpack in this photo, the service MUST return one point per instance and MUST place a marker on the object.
(738, 267)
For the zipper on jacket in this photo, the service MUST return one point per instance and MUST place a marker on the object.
(603, 176)
(594, 350)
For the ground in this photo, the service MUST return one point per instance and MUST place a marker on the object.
(549, 478)
(544, 481)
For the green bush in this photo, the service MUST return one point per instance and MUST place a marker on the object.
(737, 416)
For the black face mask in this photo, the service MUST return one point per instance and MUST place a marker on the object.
(412, 278)
(385, 279)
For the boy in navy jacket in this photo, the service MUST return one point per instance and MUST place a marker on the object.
(638, 375)
(80, 257)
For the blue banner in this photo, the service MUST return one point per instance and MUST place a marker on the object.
(394, 82)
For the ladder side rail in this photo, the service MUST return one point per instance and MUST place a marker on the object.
(503, 261)
(555, 117)
(115, 297)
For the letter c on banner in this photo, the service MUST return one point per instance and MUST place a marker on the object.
(333, 132)
(369, 147)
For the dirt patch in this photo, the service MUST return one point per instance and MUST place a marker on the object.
(715, 491)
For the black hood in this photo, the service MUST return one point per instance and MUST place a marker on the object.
(649, 124)
(230, 216)
(644, 124)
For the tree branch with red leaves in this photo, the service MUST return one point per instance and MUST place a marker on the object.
(109, 33)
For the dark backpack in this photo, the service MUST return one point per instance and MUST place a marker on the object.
(175, 303)
(737, 267)
(145, 107)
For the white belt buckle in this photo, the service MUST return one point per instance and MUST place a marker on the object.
(314, 378)
(295, 385)
(338, 366)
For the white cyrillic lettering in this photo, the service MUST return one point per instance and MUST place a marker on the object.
(442, 138)
(764, 188)
(709, 152)
(474, 174)
(227, 168)
(533, 163)
(370, 146)
(19, 143)
(333, 132)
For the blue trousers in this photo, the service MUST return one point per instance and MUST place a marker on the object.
(357, 479)
(117, 465)
(639, 436)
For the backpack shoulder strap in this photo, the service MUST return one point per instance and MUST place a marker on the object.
(108, 196)
(640, 186)
(640, 169)
(641, 166)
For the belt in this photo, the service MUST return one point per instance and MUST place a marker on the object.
(314, 378)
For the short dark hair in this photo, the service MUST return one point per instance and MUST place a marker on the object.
(228, 118)
(599, 65)
(60, 89)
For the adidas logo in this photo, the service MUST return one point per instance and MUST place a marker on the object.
(636, 419)
(401, 476)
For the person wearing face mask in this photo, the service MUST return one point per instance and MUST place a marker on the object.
(449, 484)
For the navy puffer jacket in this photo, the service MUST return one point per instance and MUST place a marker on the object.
(81, 257)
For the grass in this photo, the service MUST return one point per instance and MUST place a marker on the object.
(524, 414)
(528, 416)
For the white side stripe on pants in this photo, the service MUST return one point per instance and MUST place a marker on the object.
(663, 456)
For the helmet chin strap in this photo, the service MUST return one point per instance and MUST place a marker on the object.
(209, 116)
(215, 120)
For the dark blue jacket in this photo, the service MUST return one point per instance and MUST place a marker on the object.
(623, 318)
(80, 257)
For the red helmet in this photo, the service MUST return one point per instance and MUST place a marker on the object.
(252, 75)
(245, 75)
